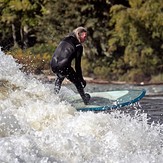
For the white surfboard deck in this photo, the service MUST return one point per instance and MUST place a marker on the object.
(102, 101)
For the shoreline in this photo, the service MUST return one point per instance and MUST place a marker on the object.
(51, 78)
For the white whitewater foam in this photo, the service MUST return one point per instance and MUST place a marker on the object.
(36, 126)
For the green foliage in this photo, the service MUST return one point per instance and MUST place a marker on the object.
(86, 67)
(136, 4)
(125, 38)
(22, 16)
(137, 34)
(157, 78)
(31, 63)
(136, 75)
(102, 72)
(42, 48)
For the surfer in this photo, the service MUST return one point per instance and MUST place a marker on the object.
(70, 48)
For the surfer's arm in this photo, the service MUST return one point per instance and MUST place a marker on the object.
(78, 66)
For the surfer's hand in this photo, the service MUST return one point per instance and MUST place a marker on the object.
(83, 83)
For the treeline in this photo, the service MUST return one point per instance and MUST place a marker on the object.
(125, 38)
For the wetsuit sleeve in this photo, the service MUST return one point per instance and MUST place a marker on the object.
(78, 62)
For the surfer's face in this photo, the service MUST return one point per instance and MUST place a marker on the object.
(83, 37)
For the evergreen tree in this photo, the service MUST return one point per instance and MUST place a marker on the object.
(21, 16)
(137, 35)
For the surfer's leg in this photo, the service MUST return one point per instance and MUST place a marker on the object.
(73, 77)
(58, 83)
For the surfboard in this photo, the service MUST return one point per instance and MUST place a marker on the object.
(102, 101)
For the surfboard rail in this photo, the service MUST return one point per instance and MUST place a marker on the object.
(103, 101)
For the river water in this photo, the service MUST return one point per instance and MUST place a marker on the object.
(36, 126)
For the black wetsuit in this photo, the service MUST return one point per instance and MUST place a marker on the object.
(68, 49)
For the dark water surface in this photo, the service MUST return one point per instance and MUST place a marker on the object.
(153, 106)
